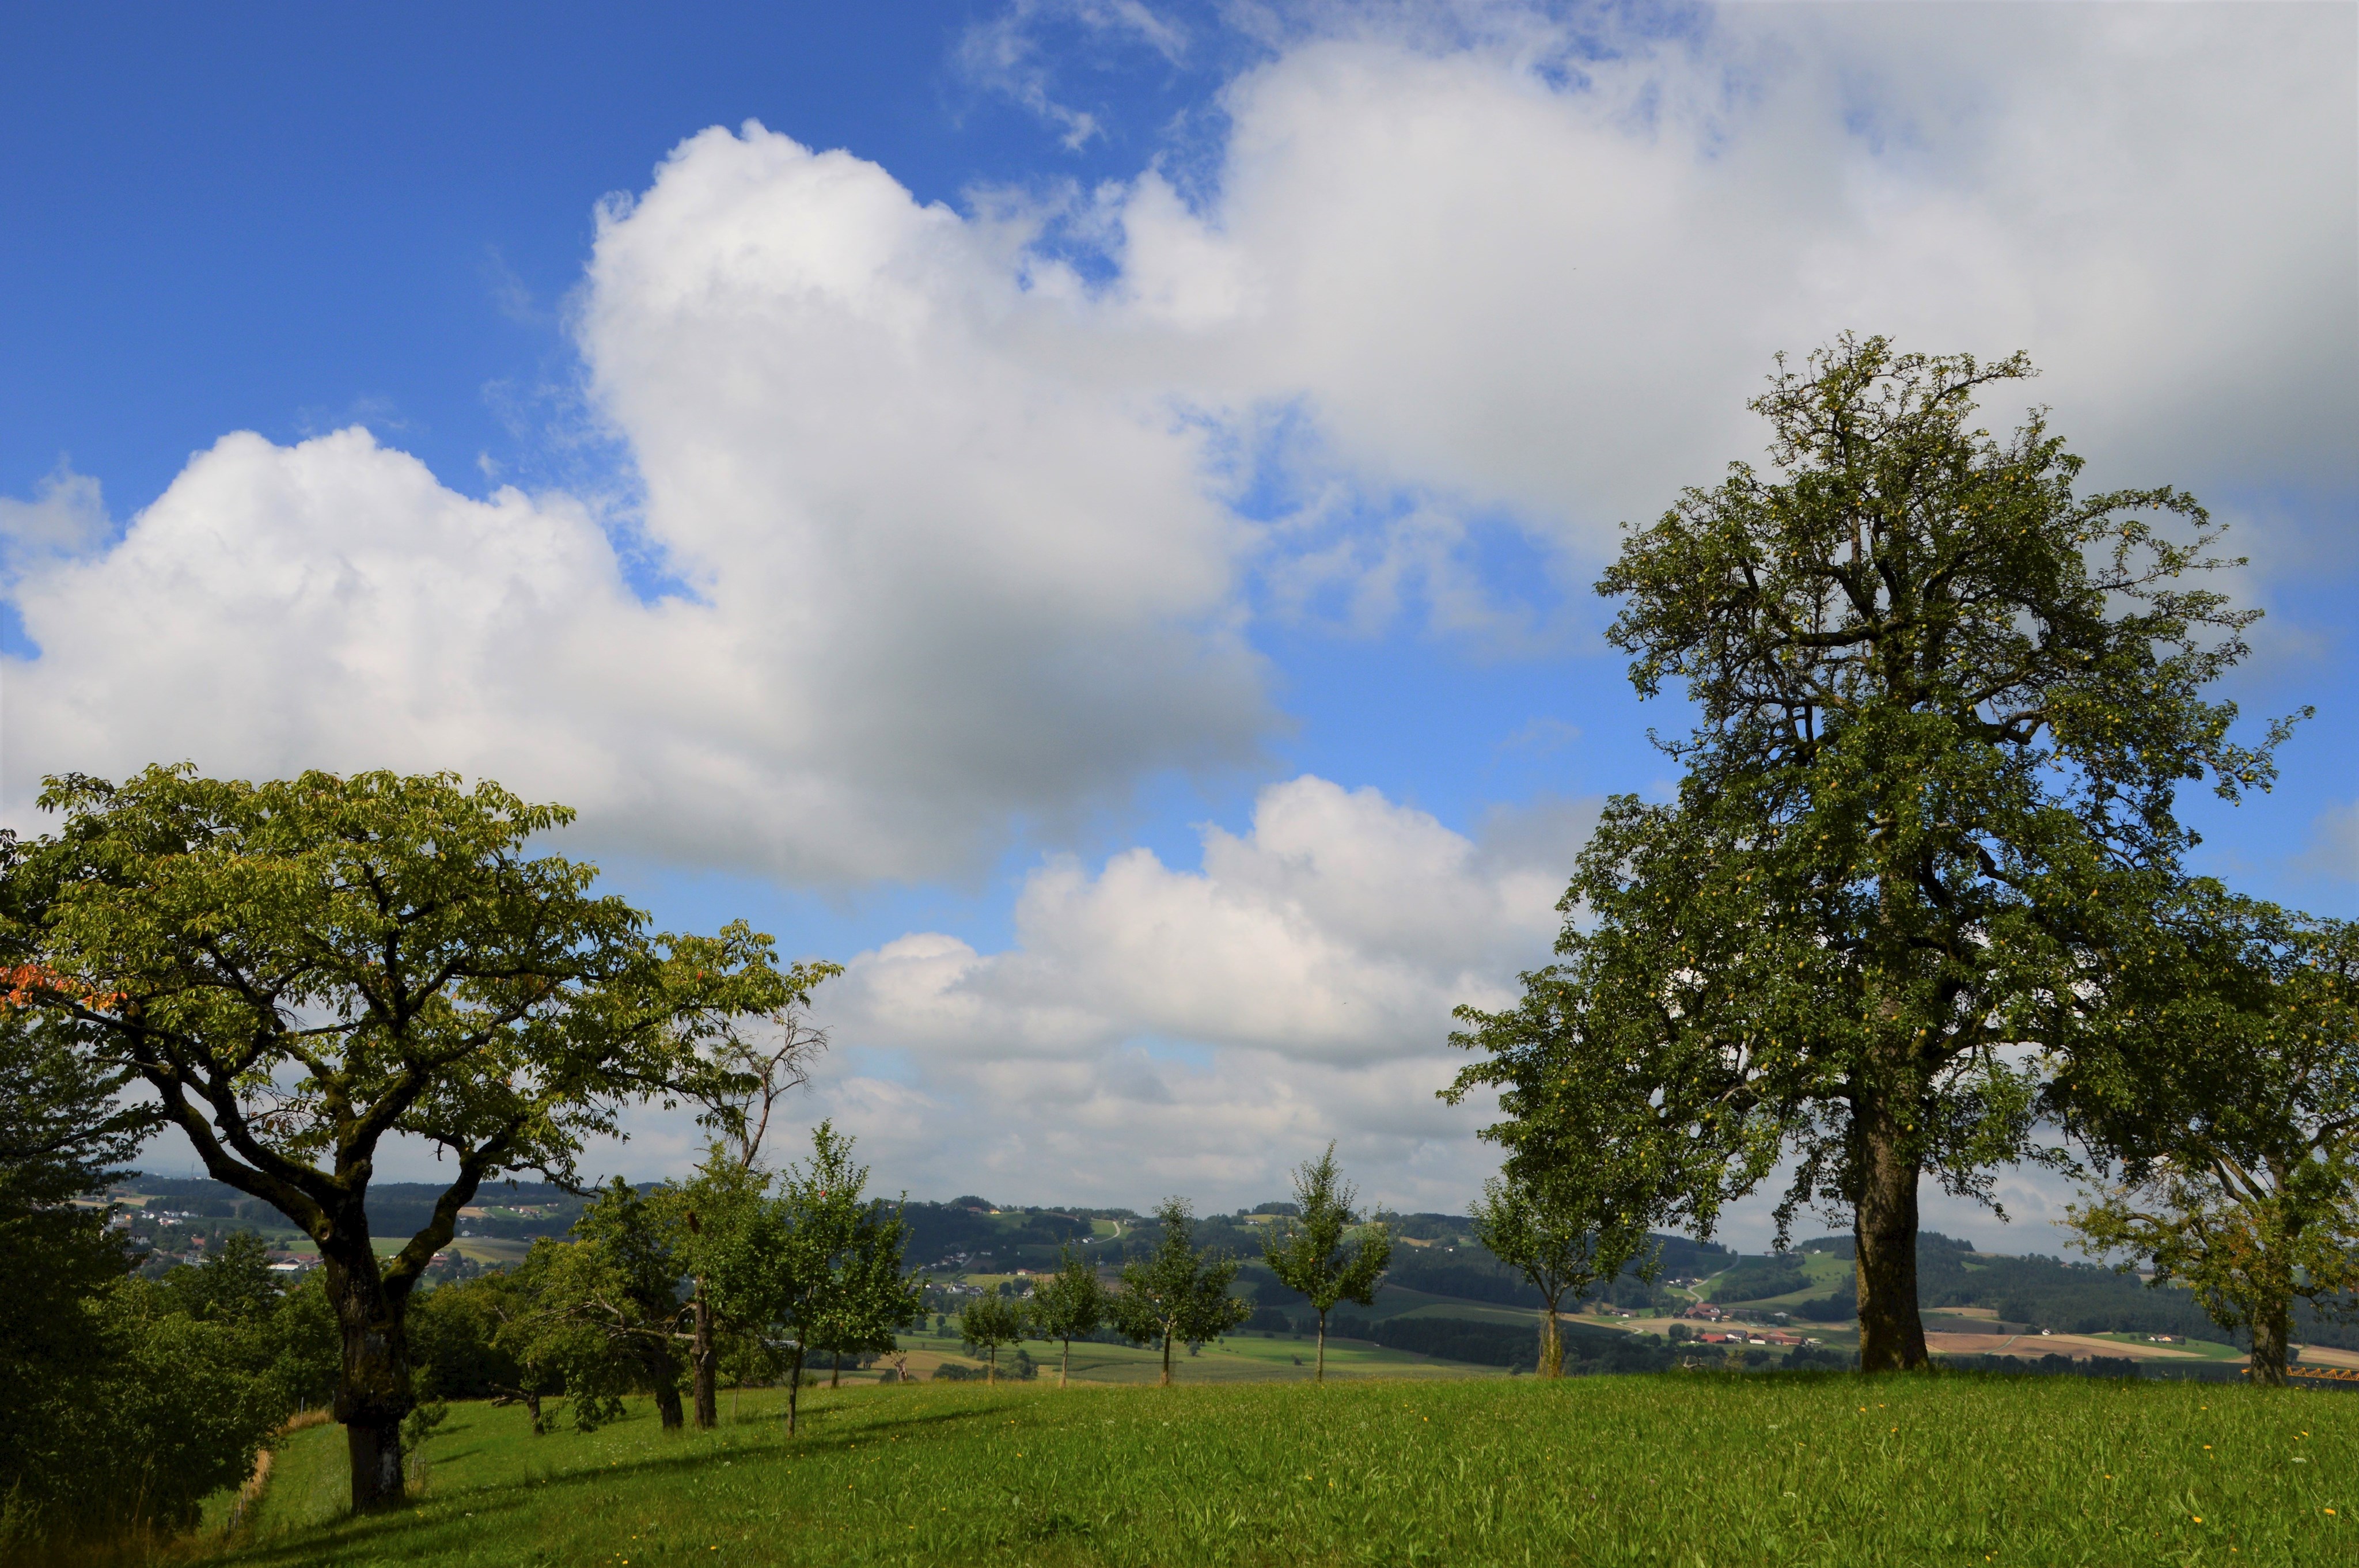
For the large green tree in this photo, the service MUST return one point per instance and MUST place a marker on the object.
(1942, 706)
(1306, 1252)
(2231, 1115)
(301, 969)
(1178, 1295)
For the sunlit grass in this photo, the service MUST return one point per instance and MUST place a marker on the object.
(1676, 1469)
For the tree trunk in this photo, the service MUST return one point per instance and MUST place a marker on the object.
(2272, 1334)
(667, 1401)
(990, 1365)
(703, 1361)
(1064, 1363)
(1167, 1360)
(835, 1378)
(1552, 1343)
(794, 1389)
(1884, 1224)
(1318, 1370)
(532, 1408)
(372, 1391)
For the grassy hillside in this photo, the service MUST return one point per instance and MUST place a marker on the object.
(1675, 1470)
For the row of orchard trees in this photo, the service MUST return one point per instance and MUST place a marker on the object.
(658, 1287)
(1920, 905)
(1179, 1294)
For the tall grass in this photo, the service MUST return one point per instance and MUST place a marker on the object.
(1677, 1470)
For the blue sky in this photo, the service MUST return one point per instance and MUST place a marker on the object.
(1083, 508)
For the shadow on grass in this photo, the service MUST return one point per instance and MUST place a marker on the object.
(440, 1523)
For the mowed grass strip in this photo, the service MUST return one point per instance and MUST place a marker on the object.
(1676, 1469)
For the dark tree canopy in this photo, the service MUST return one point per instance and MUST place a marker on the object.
(1943, 705)
(2230, 1114)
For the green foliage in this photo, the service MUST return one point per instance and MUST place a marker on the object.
(2233, 1101)
(299, 968)
(806, 1255)
(1178, 1295)
(989, 1322)
(175, 1386)
(1944, 706)
(1552, 1230)
(1068, 1304)
(1689, 1467)
(1306, 1252)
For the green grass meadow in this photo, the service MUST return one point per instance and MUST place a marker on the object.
(1682, 1469)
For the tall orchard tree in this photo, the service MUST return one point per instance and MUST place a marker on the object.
(1944, 706)
(301, 969)
(2235, 1112)
(1307, 1253)
(1178, 1293)
(1550, 1231)
(1068, 1304)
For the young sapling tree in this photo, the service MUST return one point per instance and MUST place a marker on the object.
(1070, 1305)
(1306, 1252)
(1178, 1295)
(990, 1320)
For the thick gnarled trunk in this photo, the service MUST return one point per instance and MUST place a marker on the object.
(2272, 1342)
(372, 1393)
(1891, 1333)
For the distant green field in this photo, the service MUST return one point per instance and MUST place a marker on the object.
(1241, 1358)
(1679, 1469)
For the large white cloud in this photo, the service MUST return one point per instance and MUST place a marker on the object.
(1156, 1029)
(952, 518)
(939, 581)
(1513, 289)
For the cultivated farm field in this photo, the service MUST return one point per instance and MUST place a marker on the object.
(1678, 1469)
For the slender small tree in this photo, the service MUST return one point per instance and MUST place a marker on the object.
(1178, 1293)
(299, 969)
(758, 1063)
(1070, 1305)
(1545, 1231)
(2231, 1115)
(817, 1261)
(1307, 1253)
(990, 1320)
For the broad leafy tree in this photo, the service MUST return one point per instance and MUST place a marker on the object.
(990, 1320)
(1068, 1304)
(620, 1280)
(1944, 706)
(1178, 1295)
(1306, 1252)
(299, 969)
(2233, 1110)
(1549, 1230)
